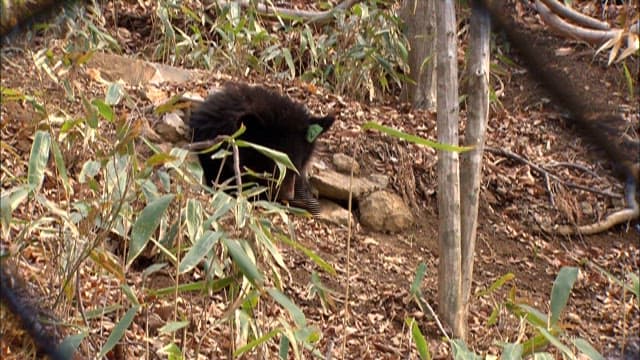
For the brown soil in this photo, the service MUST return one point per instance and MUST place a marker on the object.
(515, 202)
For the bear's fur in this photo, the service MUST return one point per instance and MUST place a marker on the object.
(271, 120)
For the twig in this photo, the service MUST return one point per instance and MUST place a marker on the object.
(204, 144)
(346, 318)
(236, 167)
(547, 184)
(576, 166)
(544, 172)
(616, 218)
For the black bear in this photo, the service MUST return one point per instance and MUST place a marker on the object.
(271, 120)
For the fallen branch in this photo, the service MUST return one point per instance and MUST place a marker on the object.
(594, 36)
(575, 16)
(544, 172)
(619, 217)
(311, 17)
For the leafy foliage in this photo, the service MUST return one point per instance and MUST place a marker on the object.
(154, 207)
(361, 49)
(542, 330)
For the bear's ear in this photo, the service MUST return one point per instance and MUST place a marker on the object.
(317, 126)
(324, 122)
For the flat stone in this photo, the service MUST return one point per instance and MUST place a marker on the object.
(334, 185)
(344, 163)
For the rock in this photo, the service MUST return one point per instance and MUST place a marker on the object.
(344, 163)
(385, 211)
(135, 72)
(334, 213)
(334, 185)
(380, 179)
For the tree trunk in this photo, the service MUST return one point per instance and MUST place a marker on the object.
(419, 18)
(449, 268)
(471, 162)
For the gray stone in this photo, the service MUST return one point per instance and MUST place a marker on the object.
(135, 72)
(334, 185)
(334, 213)
(345, 163)
(385, 211)
(380, 179)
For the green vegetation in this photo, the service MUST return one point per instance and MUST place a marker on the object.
(151, 203)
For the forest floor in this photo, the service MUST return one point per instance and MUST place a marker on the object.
(379, 268)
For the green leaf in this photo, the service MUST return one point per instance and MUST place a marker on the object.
(170, 105)
(497, 284)
(89, 170)
(194, 219)
(159, 159)
(172, 351)
(284, 347)
(62, 169)
(417, 281)
(533, 344)
(145, 225)
(108, 261)
(245, 263)
(275, 155)
(173, 326)
(101, 311)
(462, 352)
(414, 139)
(418, 338)
(71, 343)
(199, 250)
(118, 331)
(38, 159)
(561, 291)
(264, 237)
(213, 286)
(9, 94)
(115, 93)
(130, 293)
(256, 342)
(222, 203)
(104, 109)
(290, 306)
(289, 60)
(9, 201)
(511, 352)
(532, 315)
(493, 317)
(309, 253)
(553, 340)
(586, 348)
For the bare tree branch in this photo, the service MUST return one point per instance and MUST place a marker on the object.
(567, 29)
(576, 17)
(616, 218)
(312, 17)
